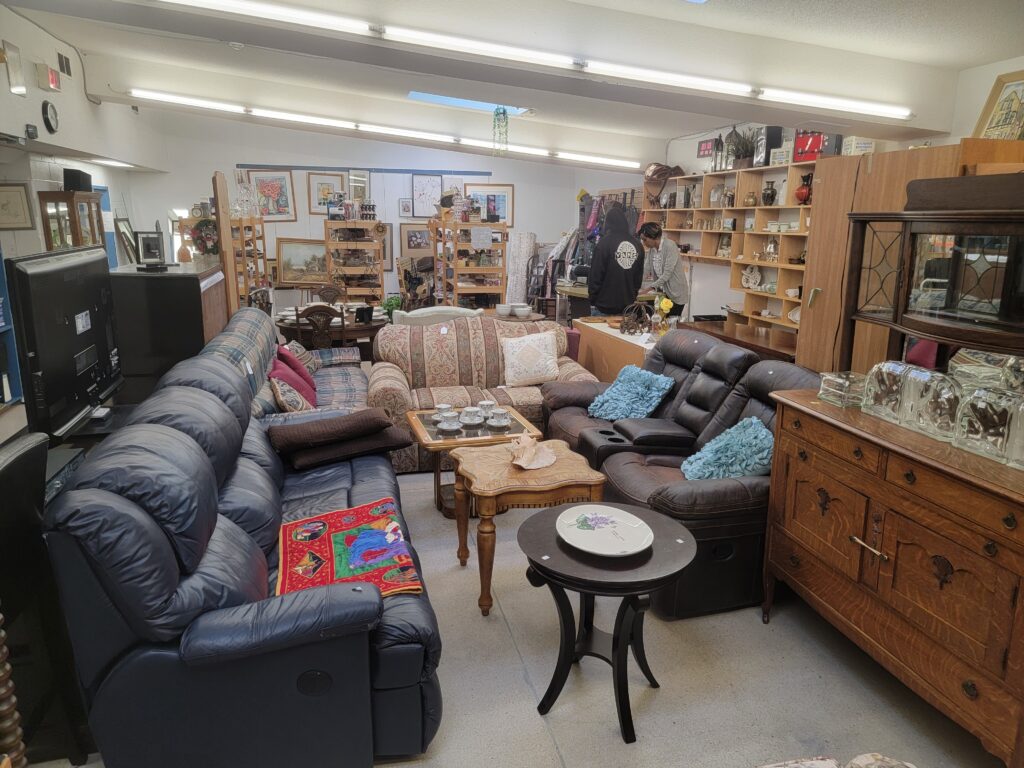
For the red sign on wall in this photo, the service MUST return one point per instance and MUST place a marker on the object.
(706, 148)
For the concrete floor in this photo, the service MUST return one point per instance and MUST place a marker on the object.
(734, 693)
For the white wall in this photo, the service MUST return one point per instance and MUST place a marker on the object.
(197, 145)
(972, 90)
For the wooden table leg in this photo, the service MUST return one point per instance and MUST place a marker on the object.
(566, 644)
(438, 501)
(486, 508)
(620, 647)
(462, 517)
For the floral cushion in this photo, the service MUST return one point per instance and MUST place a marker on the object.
(287, 397)
(307, 358)
(530, 360)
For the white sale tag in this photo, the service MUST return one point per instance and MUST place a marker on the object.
(444, 330)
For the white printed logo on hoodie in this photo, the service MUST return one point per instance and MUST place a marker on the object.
(626, 254)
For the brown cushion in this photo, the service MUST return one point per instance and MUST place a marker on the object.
(287, 438)
(390, 439)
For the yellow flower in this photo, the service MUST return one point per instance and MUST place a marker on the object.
(666, 305)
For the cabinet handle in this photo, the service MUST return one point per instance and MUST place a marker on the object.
(796, 423)
(1010, 521)
(991, 548)
(802, 454)
(824, 500)
(880, 555)
(910, 477)
(944, 570)
(858, 453)
(794, 560)
(970, 689)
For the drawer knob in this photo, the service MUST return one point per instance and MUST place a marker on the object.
(802, 454)
(1010, 521)
(858, 453)
(796, 423)
(991, 548)
(794, 560)
(910, 477)
(970, 689)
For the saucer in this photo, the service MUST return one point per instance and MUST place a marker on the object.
(473, 422)
(494, 425)
(450, 430)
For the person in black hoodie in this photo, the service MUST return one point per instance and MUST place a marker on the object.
(617, 269)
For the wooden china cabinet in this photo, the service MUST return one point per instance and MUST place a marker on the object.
(71, 219)
(910, 546)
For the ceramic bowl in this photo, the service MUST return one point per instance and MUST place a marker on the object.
(503, 310)
(521, 311)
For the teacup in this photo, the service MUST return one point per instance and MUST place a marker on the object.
(450, 420)
(500, 417)
(486, 407)
(442, 409)
(471, 415)
(793, 292)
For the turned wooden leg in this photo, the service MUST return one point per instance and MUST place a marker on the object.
(10, 721)
(485, 508)
(462, 517)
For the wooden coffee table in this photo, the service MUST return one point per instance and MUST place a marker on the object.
(488, 478)
(426, 433)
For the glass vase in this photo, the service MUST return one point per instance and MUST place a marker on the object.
(883, 388)
(845, 388)
(929, 402)
(985, 421)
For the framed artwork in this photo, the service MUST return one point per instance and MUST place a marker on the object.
(405, 207)
(415, 240)
(126, 237)
(15, 75)
(15, 211)
(275, 195)
(426, 195)
(322, 186)
(388, 250)
(494, 200)
(359, 185)
(301, 262)
(1003, 114)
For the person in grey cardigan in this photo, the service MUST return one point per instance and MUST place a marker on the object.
(666, 266)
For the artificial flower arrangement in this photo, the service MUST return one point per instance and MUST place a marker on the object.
(204, 237)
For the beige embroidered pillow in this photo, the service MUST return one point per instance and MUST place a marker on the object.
(530, 359)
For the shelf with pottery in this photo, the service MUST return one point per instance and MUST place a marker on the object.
(339, 250)
(454, 254)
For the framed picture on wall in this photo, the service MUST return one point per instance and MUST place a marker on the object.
(15, 75)
(1003, 114)
(388, 249)
(322, 187)
(405, 207)
(415, 240)
(426, 195)
(301, 262)
(15, 210)
(275, 195)
(494, 200)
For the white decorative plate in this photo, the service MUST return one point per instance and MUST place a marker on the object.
(603, 530)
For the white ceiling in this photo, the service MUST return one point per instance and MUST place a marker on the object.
(957, 34)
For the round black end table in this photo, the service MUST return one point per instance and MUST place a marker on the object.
(561, 567)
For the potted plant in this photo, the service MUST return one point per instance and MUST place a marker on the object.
(743, 145)
(391, 303)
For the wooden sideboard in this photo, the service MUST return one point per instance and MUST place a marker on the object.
(913, 549)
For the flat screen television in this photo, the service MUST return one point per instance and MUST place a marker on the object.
(64, 322)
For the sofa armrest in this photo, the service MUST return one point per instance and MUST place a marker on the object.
(565, 394)
(338, 356)
(657, 433)
(302, 417)
(389, 389)
(570, 370)
(298, 618)
(697, 499)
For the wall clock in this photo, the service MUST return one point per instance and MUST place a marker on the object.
(50, 117)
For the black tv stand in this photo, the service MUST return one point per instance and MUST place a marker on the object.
(100, 428)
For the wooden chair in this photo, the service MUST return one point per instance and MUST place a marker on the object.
(315, 325)
(328, 293)
(5, 761)
(259, 297)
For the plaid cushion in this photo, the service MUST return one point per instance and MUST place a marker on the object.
(264, 403)
(338, 356)
(341, 386)
(309, 359)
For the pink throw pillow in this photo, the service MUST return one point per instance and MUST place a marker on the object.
(283, 373)
(293, 362)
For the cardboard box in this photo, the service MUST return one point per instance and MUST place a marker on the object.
(858, 145)
(781, 156)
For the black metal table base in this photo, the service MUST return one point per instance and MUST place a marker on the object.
(612, 647)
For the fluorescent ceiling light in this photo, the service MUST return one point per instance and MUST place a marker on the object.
(516, 148)
(597, 160)
(186, 101)
(180, 213)
(111, 163)
(836, 103)
(478, 47)
(286, 14)
(422, 135)
(292, 117)
(452, 101)
(668, 78)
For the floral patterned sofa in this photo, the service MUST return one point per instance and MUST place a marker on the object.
(871, 760)
(459, 362)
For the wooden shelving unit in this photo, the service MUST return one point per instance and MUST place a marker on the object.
(253, 268)
(355, 259)
(464, 275)
(703, 225)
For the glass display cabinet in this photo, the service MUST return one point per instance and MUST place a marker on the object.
(71, 219)
(951, 275)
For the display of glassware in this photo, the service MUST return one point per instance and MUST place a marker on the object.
(1016, 451)
(986, 420)
(842, 388)
(929, 402)
(882, 390)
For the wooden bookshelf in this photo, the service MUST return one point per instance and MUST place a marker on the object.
(464, 275)
(355, 259)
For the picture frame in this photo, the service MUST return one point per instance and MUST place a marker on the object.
(1002, 117)
(494, 200)
(415, 240)
(275, 195)
(405, 208)
(359, 185)
(321, 187)
(426, 195)
(15, 73)
(301, 262)
(126, 239)
(387, 241)
(15, 209)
